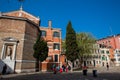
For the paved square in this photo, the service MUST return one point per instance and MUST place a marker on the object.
(102, 74)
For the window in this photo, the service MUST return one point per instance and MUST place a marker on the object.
(56, 46)
(96, 56)
(56, 58)
(77, 62)
(87, 62)
(43, 33)
(99, 56)
(119, 59)
(106, 42)
(98, 51)
(118, 51)
(56, 34)
(99, 61)
(107, 52)
(103, 57)
(90, 62)
(102, 51)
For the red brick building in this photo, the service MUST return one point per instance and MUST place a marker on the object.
(53, 38)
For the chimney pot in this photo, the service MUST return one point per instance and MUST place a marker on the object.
(50, 24)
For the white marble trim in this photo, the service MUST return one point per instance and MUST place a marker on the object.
(24, 70)
(51, 62)
(25, 61)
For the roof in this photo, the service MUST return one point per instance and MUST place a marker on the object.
(109, 37)
(42, 27)
(21, 13)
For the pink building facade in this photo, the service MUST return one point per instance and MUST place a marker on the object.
(113, 43)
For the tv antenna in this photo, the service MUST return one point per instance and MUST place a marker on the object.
(21, 1)
(111, 32)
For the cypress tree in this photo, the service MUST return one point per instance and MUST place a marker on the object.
(71, 44)
(40, 51)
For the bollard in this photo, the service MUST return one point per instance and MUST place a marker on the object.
(85, 72)
(54, 71)
(94, 73)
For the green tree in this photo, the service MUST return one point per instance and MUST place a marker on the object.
(40, 51)
(85, 43)
(71, 44)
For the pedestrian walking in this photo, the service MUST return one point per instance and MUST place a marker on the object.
(61, 70)
(85, 70)
(107, 66)
(54, 68)
(67, 68)
(63, 67)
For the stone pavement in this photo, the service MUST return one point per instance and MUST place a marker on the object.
(103, 74)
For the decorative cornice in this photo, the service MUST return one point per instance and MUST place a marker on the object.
(19, 11)
(10, 39)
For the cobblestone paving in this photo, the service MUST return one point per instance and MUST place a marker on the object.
(103, 74)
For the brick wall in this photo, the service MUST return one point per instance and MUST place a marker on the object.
(24, 31)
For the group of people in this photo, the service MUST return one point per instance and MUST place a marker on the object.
(56, 69)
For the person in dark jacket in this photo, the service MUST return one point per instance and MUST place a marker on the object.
(107, 66)
(4, 69)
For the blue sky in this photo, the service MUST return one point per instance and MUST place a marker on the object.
(98, 17)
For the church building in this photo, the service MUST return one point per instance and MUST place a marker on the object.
(18, 33)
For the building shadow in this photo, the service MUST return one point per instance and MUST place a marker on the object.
(8, 68)
(70, 76)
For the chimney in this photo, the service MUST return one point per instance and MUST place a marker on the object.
(0, 14)
(50, 24)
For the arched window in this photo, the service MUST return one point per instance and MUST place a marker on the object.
(103, 57)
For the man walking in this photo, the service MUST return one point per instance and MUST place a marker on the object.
(107, 66)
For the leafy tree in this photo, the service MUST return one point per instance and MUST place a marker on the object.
(85, 43)
(71, 44)
(40, 51)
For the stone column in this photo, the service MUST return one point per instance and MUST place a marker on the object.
(14, 51)
(3, 51)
